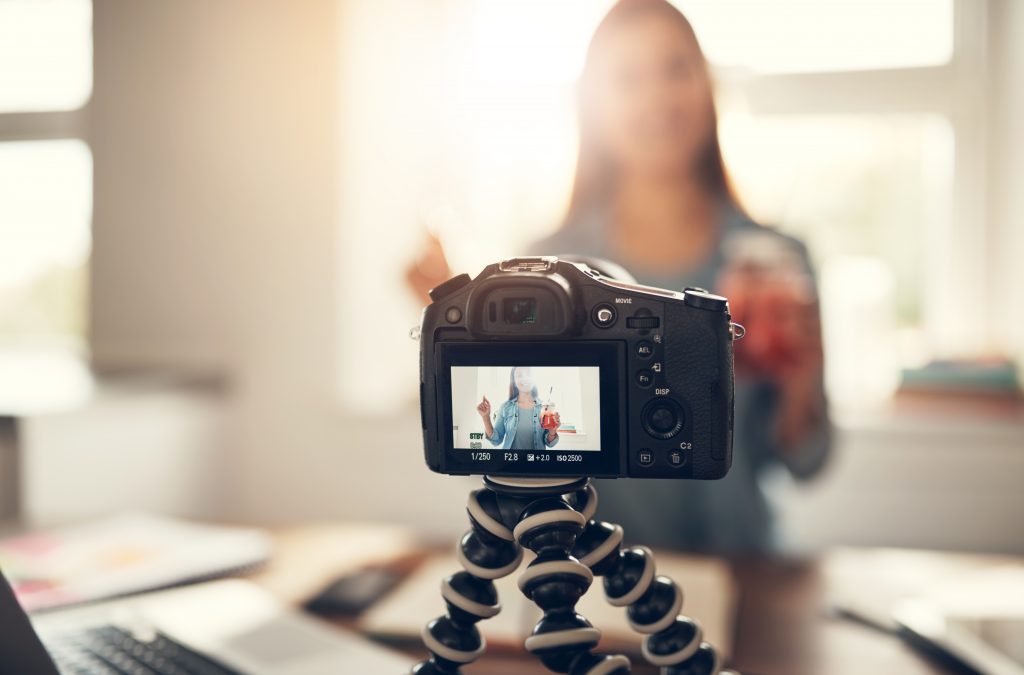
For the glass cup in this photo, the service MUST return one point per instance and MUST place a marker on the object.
(547, 416)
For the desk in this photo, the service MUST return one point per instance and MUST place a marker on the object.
(781, 625)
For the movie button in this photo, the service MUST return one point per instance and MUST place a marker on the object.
(645, 378)
(644, 457)
(662, 418)
(644, 349)
(603, 316)
(676, 458)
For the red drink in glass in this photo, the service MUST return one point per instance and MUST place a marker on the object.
(547, 416)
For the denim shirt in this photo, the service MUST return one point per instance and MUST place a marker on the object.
(508, 419)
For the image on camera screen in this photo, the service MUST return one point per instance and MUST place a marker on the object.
(526, 408)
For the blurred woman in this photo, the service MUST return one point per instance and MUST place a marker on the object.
(651, 193)
(518, 424)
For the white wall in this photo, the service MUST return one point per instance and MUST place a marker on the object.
(215, 134)
(1006, 173)
(150, 444)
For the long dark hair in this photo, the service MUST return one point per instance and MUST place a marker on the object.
(594, 173)
(513, 390)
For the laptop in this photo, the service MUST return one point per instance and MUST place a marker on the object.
(228, 627)
(976, 622)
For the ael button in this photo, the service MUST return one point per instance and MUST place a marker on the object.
(449, 287)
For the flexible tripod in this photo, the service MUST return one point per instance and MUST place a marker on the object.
(554, 518)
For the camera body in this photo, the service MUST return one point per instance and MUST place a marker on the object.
(644, 376)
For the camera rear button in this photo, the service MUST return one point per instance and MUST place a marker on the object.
(644, 349)
(603, 316)
(644, 457)
(644, 378)
(662, 419)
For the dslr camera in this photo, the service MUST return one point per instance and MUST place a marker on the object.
(541, 367)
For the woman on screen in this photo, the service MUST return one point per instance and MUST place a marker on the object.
(517, 425)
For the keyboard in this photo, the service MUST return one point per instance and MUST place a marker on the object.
(109, 650)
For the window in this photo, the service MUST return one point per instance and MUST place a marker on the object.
(45, 54)
(855, 125)
(45, 170)
(859, 127)
(803, 36)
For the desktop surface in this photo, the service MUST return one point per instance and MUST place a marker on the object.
(782, 620)
(785, 621)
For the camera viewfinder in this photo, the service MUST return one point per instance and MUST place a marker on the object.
(519, 311)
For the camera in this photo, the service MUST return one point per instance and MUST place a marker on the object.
(542, 367)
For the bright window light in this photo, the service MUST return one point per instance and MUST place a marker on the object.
(45, 54)
(533, 42)
(801, 36)
(45, 217)
(865, 185)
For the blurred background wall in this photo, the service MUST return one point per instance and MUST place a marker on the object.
(216, 133)
(261, 173)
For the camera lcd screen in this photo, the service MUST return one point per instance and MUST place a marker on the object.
(526, 407)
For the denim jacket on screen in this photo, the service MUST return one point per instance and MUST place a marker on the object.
(507, 421)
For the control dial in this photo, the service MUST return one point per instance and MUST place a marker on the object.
(662, 418)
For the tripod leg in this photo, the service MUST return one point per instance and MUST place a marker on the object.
(555, 581)
(487, 551)
(672, 641)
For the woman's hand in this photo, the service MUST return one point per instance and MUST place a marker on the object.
(799, 380)
(783, 344)
(553, 431)
(484, 409)
(430, 269)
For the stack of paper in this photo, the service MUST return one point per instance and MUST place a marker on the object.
(124, 554)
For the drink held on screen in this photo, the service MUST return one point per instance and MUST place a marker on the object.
(547, 417)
